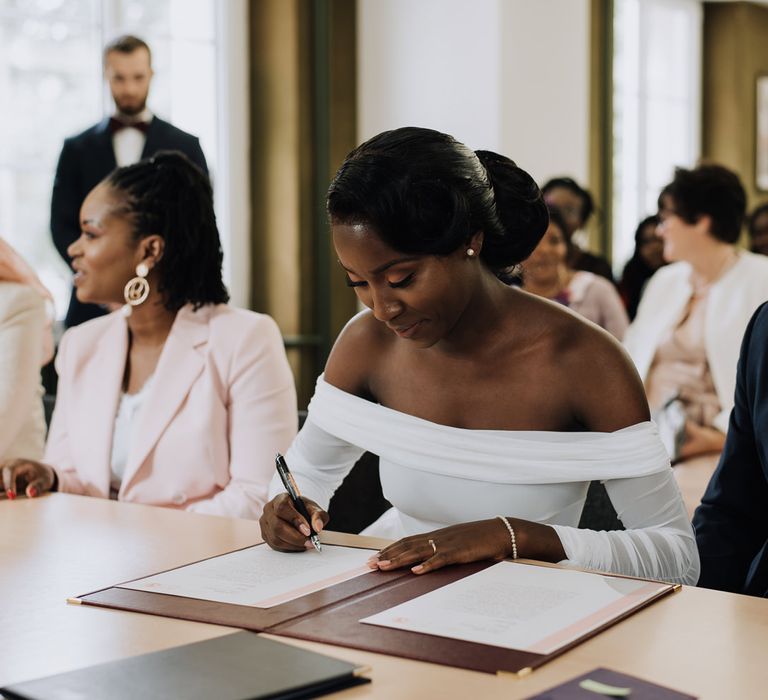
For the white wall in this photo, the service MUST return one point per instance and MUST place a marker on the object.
(507, 75)
(431, 63)
(545, 79)
(232, 183)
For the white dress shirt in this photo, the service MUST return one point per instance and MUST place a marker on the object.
(128, 143)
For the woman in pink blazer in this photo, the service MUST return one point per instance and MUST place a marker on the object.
(176, 399)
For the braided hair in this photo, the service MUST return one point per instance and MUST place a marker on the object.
(171, 197)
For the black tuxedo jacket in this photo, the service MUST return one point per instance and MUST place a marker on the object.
(85, 160)
(732, 521)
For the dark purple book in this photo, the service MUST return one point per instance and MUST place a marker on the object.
(587, 687)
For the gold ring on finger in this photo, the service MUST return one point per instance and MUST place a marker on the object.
(434, 547)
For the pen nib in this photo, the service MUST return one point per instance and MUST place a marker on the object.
(316, 541)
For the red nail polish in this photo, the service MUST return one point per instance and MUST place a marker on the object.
(11, 494)
(32, 492)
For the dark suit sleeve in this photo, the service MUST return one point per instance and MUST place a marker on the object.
(732, 521)
(164, 136)
(196, 155)
(65, 201)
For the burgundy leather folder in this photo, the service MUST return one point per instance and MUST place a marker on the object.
(332, 616)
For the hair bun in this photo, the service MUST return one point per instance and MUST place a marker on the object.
(426, 193)
(520, 208)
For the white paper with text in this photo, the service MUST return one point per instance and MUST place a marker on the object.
(517, 606)
(258, 576)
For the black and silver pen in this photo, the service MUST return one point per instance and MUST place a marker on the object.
(293, 491)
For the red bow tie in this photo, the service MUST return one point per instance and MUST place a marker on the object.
(116, 124)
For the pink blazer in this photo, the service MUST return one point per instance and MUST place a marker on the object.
(221, 403)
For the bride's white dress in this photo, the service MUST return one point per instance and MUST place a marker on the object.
(435, 475)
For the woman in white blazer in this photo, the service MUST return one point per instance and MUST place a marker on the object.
(685, 339)
(22, 326)
(26, 343)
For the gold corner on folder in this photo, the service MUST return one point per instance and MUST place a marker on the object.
(522, 673)
(361, 671)
(74, 601)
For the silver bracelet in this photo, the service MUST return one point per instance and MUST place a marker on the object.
(511, 531)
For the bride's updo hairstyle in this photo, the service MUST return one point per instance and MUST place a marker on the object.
(425, 193)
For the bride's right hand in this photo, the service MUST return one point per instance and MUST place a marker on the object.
(285, 529)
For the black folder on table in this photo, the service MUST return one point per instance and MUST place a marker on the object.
(237, 666)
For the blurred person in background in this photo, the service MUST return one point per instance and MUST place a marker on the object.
(26, 343)
(757, 225)
(130, 134)
(685, 339)
(647, 258)
(546, 273)
(576, 206)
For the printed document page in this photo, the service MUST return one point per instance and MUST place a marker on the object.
(518, 606)
(259, 576)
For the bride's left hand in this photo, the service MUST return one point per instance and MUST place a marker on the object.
(457, 544)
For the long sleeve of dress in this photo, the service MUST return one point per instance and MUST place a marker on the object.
(658, 542)
(319, 462)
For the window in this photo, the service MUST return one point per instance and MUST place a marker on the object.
(52, 87)
(656, 106)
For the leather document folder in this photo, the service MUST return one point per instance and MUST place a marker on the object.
(237, 666)
(332, 616)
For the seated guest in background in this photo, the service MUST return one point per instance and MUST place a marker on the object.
(491, 409)
(26, 344)
(685, 339)
(732, 520)
(576, 206)
(178, 399)
(546, 273)
(647, 258)
(757, 225)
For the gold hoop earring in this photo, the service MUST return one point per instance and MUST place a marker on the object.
(470, 252)
(136, 290)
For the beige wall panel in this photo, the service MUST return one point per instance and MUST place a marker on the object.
(277, 140)
(343, 134)
(289, 135)
(735, 53)
(600, 119)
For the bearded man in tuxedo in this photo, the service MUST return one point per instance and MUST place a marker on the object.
(129, 135)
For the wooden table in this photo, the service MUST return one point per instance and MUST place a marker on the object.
(702, 642)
